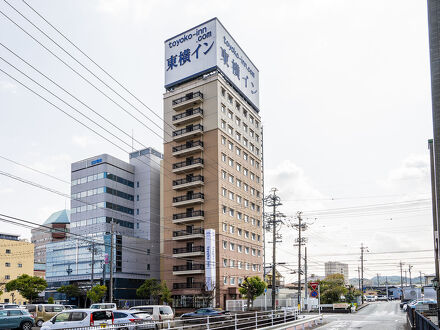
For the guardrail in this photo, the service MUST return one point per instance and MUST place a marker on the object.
(416, 320)
(247, 320)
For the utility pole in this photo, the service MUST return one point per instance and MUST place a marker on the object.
(359, 278)
(409, 271)
(378, 284)
(401, 280)
(306, 287)
(92, 250)
(111, 263)
(300, 226)
(406, 278)
(435, 225)
(386, 285)
(273, 201)
(421, 284)
(363, 248)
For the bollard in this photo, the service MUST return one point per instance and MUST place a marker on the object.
(235, 321)
(207, 323)
(272, 317)
(256, 320)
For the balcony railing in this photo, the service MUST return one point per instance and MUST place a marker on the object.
(188, 197)
(188, 146)
(182, 268)
(193, 285)
(188, 163)
(189, 249)
(189, 180)
(198, 213)
(188, 130)
(187, 97)
(194, 231)
(188, 113)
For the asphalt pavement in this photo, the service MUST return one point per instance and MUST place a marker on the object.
(377, 315)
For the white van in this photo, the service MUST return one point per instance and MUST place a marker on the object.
(110, 306)
(159, 313)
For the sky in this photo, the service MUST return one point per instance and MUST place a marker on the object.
(345, 104)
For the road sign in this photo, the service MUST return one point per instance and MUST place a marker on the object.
(314, 291)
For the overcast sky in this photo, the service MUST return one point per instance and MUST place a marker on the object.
(345, 104)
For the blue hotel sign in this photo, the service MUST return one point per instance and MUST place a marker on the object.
(96, 161)
(206, 47)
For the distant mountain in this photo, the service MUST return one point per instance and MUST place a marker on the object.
(392, 280)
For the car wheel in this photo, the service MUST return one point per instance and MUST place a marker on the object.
(39, 323)
(26, 326)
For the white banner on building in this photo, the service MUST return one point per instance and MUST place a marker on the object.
(210, 259)
(204, 48)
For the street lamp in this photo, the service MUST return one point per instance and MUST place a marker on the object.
(69, 270)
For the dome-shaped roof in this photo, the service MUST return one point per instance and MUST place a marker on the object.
(62, 216)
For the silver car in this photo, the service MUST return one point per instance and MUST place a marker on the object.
(141, 319)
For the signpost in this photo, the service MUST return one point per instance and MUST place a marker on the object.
(315, 293)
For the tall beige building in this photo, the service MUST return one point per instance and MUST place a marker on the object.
(336, 267)
(212, 180)
(16, 258)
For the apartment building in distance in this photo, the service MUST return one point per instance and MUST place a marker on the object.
(335, 267)
(212, 168)
(54, 229)
(16, 258)
(112, 201)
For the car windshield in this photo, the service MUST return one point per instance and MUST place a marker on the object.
(166, 310)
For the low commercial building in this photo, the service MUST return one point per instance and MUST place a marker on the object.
(16, 258)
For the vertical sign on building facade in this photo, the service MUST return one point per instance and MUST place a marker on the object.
(210, 259)
(204, 48)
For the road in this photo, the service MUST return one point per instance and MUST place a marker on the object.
(378, 315)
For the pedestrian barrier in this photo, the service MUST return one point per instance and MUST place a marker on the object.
(247, 320)
(418, 321)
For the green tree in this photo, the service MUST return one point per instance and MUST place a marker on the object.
(251, 288)
(351, 294)
(28, 286)
(97, 293)
(332, 289)
(165, 294)
(70, 290)
(50, 300)
(150, 289)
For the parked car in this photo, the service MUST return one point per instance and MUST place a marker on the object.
(43, 312)
(104, 306)
(70, 306)
(9, 306)
(159, 313)
(16, 319)
(418, 303)
(201, 314)
(370, 298)
(382, 298)
(142, 319)
(75, 318)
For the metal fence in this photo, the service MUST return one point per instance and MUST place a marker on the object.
(247, 320)
(418, 321)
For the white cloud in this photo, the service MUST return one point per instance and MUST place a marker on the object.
(83, 141)
(135, 11)
(8, 86)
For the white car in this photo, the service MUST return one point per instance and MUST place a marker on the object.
(75, 318)
(162, 314)
(141, 319)
(110, 306)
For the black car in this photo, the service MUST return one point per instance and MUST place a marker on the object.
(200, 315)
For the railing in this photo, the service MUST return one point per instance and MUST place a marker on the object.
(188, 267)
(191, 285)
(188, 113)
(188, 146)
(188, 129)
(189, 250)
(188, 163)
(187, 97)
(188, 180)
(248, 320)
(183, 215)
(188, 197)
(416, 320)
(194, 231)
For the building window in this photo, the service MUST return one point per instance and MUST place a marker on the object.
(223, 124)
(237, 151)
(231, 229)
(245, 142)
(239, 248)
(238, 199)
(230, 130)
(8, 251)
(253, 236)
(225, 227)
(254, 252)
(237, 121)
(246, 249)
(225, 244)
(20, 265)
(137, 198)
(148, 266)
(231, 246)
(245, 156)
(232, 280)
(238, 136)
(225, 262)
(231, 195)
(231, 162)
(7, 264)
(223, 140)
(239, 215)
(231, 212)
(246, 234)
(7, 277)
(239, 264)
(223, 192)
(223, 174)
(224, 209)
(238, 167)
(244, 113)
(230, 99)
(225, 280)
(223, 106)
(230, 115)
(137, 211)
(224, 158)
(230, 146)
(238, 183)
(239, 231)
(137, 184)
(232, 263)
(231, 179)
